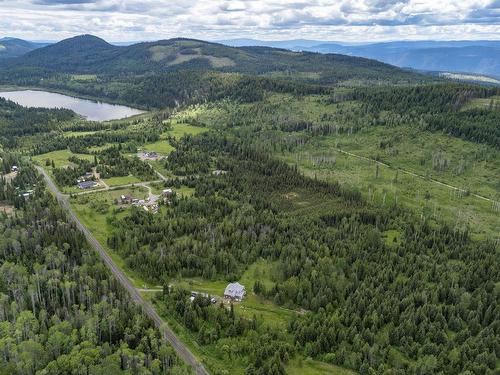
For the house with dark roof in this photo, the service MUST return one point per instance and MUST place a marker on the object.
(87, 184)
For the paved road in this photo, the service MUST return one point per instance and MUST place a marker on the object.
(182, 351)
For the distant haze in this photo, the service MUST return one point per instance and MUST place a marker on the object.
(468, 56)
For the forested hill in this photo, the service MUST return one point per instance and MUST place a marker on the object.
(13, 47)
(87, 54)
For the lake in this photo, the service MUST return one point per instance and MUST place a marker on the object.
(94, 111)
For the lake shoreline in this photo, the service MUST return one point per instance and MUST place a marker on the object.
(73, 94)
(88, 109)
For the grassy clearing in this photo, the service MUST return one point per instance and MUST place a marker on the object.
(71, 134)
(265, 272)
(84, 77)
(252, 305)
(392, 237)
(60, 158)
(181, 129)
(178, 131)
(301, 202)
(185, 191)
(427, 199)
(100, 148)
(162, 147)
(122, 180)
(485, 103)
(448, 159)
(308, 366)
(95, 211)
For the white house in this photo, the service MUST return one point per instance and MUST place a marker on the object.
(167, 192)
(235, 291)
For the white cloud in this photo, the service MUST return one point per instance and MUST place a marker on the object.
(352, 20)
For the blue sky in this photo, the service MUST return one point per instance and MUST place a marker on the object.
(340, 20)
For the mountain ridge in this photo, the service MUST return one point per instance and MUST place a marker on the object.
(468, 56)
(88, 54)
(15, 47)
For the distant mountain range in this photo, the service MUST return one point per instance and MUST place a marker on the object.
(479, 57)
(13, 47)
(89, 54)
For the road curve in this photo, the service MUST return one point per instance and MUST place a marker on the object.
(182, 351)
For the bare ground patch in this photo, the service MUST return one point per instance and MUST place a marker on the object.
(6, 208)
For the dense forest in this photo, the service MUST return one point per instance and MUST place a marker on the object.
(17, 121)
(440, 107)
(111, 163)
(61, 311)
(369, 301)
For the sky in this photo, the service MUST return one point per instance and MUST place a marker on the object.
(335, 20)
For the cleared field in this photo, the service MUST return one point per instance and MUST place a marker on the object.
(309, 366)
(185, 191)
(386, 186)
(100, 148)
(60, 158)
(78, 134)
(266, 310)
(492, 103)
(460, 163)
(122, 180)
(162, 147)
(97, 211)
(181, 129)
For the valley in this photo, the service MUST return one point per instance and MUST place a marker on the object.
(360, 218)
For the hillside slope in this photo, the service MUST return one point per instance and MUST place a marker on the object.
(13, 47)
(88, 54)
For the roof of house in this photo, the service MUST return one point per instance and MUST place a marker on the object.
(235, 290)
(86, 184)
(153, 199)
